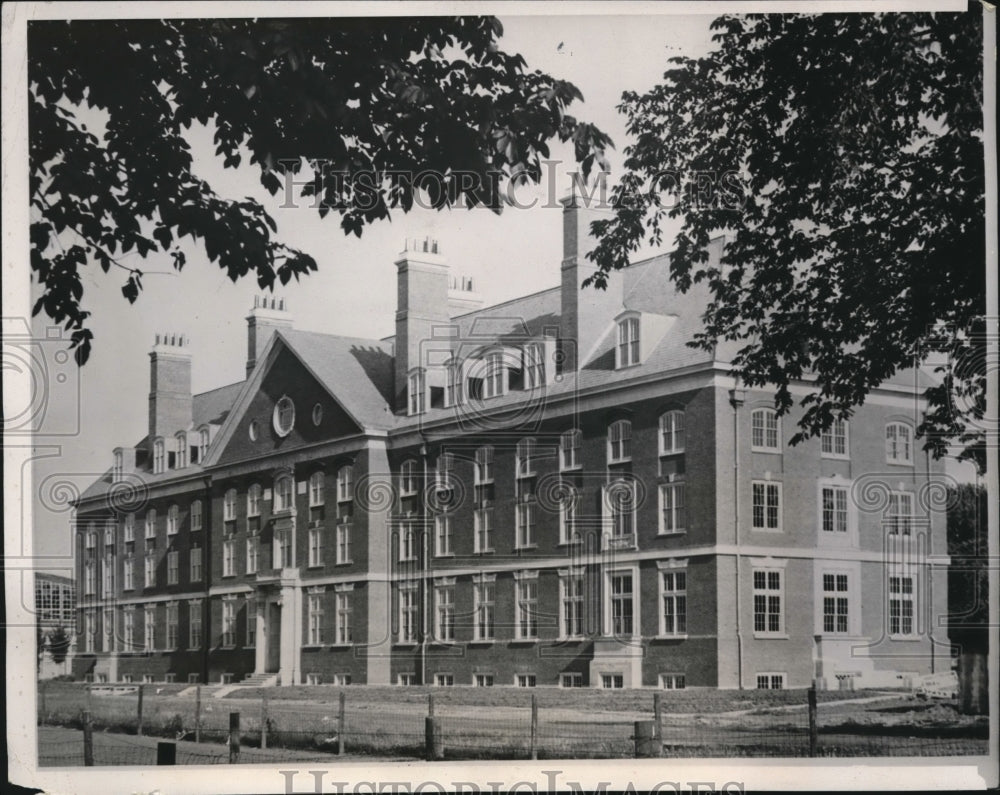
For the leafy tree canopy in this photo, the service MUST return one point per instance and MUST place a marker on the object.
(58, 644)
(859, 225)
(350, 104)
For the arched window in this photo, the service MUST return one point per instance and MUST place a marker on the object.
(619, 441)
(484, 465)
(284, 416)
(317, 485)
(283, 491)
(569, 449)
(671, 432)
(117, 466)
(195, 515)
(202, 443)
(494, 375)
(345, 483)
(408, 481)
(229, 506)
(159, 456)
(898, 443)
(253, 499)
(151, 523)
(182, 450)
(627, 350)
(765, 429)
(173, 520)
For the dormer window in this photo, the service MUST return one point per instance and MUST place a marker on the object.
(416, 388)
(408, 478)
(284, 416)
(494, 375)
(203, 443)
(534, 366)
(159, 456)
(182, 450)
(619, 442)
(627, 350)
(117, 466)
(453, 384)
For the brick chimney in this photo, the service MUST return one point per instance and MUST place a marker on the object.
(585, 313)
(169, 386)
(421, 304)
(268, 315)
(462, 296)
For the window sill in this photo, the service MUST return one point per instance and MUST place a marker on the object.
(571, 639)
(333, 646)
(665, 453)
(572, 542)
(575, 468)
(523, 547)
(679, 636)
(316, 566)
(481, 642)
(906, 638)
(405, 644)
(835, 456)
(407, 560)
(774, 530)
(900, 463)
(484, 551)
(617, 461)
(671, 533)
(444, 554)
(344, 563)
(770, 635)
(770, 450)
(523, 641)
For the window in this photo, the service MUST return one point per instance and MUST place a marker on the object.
(570, 497)
(149, 572)
(109, 575)
(159, 456)
(171, 625)
(619, 442)
(251, 622)
(129, 528)
(525, 680)
(406, 680)
(282, 549)
(770, 681)
(229, 508)
(483, 521)
(494, 375)
(444, 599)
(571, 680)
(149, 628)
(444, 680)
(193, 679)
(108, 624)
(203, 443)
(89, 629)
(534, 366)
(109, 534)
(128, 630)
(196, 516)
(525, 525)
(627, 351)
(569, 449)
(407, 540)
(253, 430)
(766, 505)
(315, 546)
(417, 386)
(229, 622)
(442, 535)
(345, 483)
(671, 508)
(117, 465)
(408, 479)
(128, 574)
(314, 679)
(195, 564)
(284, 416)
(527, 608)
(151, 523)
(443, 471)
(315, 609)
(612, 681)
(764, 430)
(833, 440)
(525, 458)
(901, 606)
(672, 432)
(194, 624)
(408, 612)
(622, 607)
(483, 470)
(835, 604)
(172, 520)
(228, 558)
(343, 542)
(572, 605)
(898, 447)
(89, 578)
(173, 568)
(834, 509)
(224, 679)
(899, 513)
(343, 628)
(453, 385)
(91, 538)
(253, 500)
(483, 680)
(768, 602)
(283, 489)
(672, 681)
(484, 595)
(182, 450)
(619, 507)
(673, 602)
(317, 414)
(317, 497)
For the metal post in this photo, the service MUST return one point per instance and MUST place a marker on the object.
(434, 741)
(430, 705)
(87, 689)
(166, 753)
(88, 740)
(139, 727)
(41, 691)
(263, 720)
(813, 731)
(197, 714)
(658, 715)
(234, 738)
(534, 726)
(341, 724)
(645, 742)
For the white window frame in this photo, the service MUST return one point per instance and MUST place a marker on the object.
(443, 536)
(627, 352)
(173, 520)
(836, 519)
(525, 525)
(254, 496)
(128, 629)
(526, 605)
(483, 529)
(495, 382)
(612, 680)
(343, 617)
(453, 385)
(408, 613)
(571, 679)
(768, 487)
(228, 623)
(533, 364)
(315, 547)
(196, 516)
(229, 557)
(444, 611)
(484, 597)
(572, 589)
(834, 437)
(444, 680)
(128, 573)
(196, 637)
(253, 553)
(343, 533)
(149, 628)
(899, 515)
(283, 416)
(129, 530)
(149, 571)
(569, 450)
(836, 598)
(409, 477)
(89, 578)
(416, 392)
(768, 592)
(672, 681)
(568, 503)
(771, 680)
(673, 508)
(672, 581)
(314, 619)
(620, 514)
(525, 680)
(173, 567)
(483, 680)
(407, 539)
(159, 456)
(897, 593)
(896, 451)
(345, 483)
(483, 469)
(317, 489)
(150, 523)
(117, 466)
(172, 624)
(671, 435)
(195, 564)
(610, 575)
(619, 442)
(769, 424)
(181, 461)
(525, 458)
(284, 498)
(229, 506)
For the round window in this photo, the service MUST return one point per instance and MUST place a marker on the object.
(284, 416)
(317, 414)
(254, 430)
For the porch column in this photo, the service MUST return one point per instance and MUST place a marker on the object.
(291, 635)
(260, 650)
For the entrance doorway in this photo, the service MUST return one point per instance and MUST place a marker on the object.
(272, 627)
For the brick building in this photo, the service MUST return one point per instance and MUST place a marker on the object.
(557, 490)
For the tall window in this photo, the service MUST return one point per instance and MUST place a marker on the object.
(483, 471)
(525, 524)
(345, 483)
(834, 509)
(196, 516)
(901, 605)
(407, 540)
(836, 606)
(766, 505)
(484, 596)
(254, 494)
(149, 628)
(108, 622)
(417, 388)
(671, 508)
(494, 375)
(173, 567)
(344, 617)
(483, 520)
(117, 467)
(408, 478)
(534, 366)
(572, 605)
(195, 564)
(151, 523)
(317, 495)
(89, 578)
(673, 602)
(128, 630)
(194, 624)
(453, 385)
(89, 629)
(109, 534)
(672, 432)
(149, 572)
(619, 507)
(344, 541)
(173, 520)
(899, 514)
(284, 488)
(129, 528)
(171, 625)
(527, 608)
(283, 549)
(408, 612)
(567, 514)
(833, 440)
(622, 607)
(109, 575)
(202, 443)
(898, 443)
(128, 573)
(182, 450)
(619, 442)
(315, 546)
(315, 609)
(159, 456)
(229, 510)
(525, 458)
(627, 351)
(253, 554)
(444, 600)
(442, 471)
(228, 558)
(768, 602)
(569, 449)
(229, 622)
(442, 535)
(764, 430)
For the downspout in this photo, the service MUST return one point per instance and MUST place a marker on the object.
(206, 570)
(737, 396)
(424, 569)
(929, 567)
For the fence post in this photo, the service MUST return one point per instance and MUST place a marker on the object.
(341, 723)
(658, 716)
(41, 690)
(139, 729)
(434, 741)
(234, 738)
(88, 740)
(534, 726)
(645, 743)
(166, 753)
(813, 730)
(430, 705)
(263, 720)
(197, 714)
(87, 689)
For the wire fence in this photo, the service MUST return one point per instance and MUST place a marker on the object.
(128, 727)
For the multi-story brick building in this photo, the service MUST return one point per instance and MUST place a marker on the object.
(557, 490)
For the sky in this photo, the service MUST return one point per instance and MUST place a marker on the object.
(104, 404)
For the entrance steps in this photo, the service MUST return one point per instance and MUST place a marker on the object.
(254, 680)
